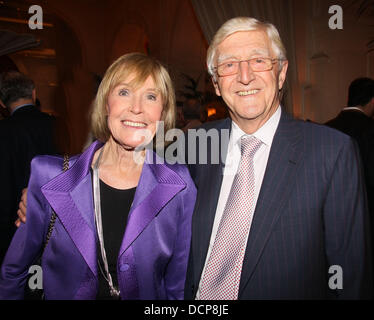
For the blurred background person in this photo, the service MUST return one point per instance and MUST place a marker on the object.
(27, 132)
(356, 120)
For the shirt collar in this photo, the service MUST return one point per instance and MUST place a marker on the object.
(265, 133)
(21, 106)
(353, 108)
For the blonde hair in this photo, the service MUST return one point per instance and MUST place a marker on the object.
(244, 24)
(142, 66)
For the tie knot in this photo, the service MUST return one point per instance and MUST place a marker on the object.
(249, 146)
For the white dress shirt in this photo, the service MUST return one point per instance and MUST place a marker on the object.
(265, 134)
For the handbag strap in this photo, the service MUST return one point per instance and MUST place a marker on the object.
(65, 166)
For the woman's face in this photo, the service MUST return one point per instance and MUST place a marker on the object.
(133, 113)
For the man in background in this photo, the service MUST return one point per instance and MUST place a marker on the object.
(356, 120)
(25, 134)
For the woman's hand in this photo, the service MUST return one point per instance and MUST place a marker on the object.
(21, 212)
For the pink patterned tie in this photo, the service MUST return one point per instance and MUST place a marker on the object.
(222, 273)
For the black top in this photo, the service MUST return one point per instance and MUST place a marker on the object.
(115, 207)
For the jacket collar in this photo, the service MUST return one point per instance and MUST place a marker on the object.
(23, 107)
(70, 195)
(158, 184)
(286, 154)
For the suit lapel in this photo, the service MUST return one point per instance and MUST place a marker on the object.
(157, 186)
(285, 155)
(70, 195)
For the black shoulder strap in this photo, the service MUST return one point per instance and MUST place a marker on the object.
(65, 166)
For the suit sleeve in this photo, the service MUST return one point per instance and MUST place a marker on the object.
(28, 240)
(7, 214)
(347, 231)
(176, 271)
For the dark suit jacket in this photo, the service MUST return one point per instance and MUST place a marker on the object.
(25, 134)
(360, 127)
(310, 215)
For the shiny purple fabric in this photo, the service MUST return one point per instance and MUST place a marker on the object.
(152, 261)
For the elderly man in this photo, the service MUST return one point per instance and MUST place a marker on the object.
(290, 224)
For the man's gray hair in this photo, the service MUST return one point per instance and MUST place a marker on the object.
(15, 85)
(245, 24)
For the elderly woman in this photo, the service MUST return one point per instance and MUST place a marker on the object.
(123, 224)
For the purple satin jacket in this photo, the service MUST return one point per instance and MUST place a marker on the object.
(152, 261)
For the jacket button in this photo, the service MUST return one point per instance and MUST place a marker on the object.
(124, 267)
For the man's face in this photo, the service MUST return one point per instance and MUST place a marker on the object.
(252, 97)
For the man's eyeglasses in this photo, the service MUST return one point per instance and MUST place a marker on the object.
(229, 68)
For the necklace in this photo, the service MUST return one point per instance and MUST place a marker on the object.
(114, 292)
